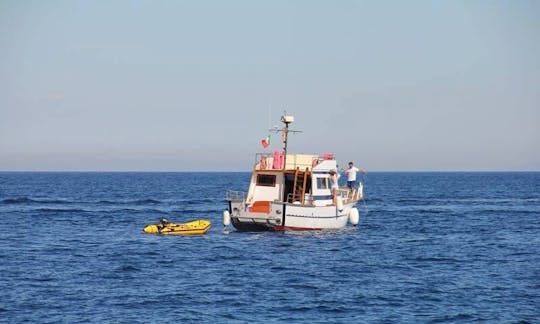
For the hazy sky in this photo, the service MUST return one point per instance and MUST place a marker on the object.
(194, 85)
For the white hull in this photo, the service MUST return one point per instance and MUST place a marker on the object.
(289, 217)
(316, 217)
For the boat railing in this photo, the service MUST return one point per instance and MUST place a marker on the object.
(264, 161)
(269, 161)
(296, 199)
(236, 195)
(292, 199)
(301, 161)
(352, 195)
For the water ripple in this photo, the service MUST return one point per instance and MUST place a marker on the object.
(438, 248)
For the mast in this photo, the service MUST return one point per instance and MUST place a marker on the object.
(287, 120)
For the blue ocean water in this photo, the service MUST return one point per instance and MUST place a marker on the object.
(430, 247)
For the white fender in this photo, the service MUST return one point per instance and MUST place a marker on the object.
(339, 203)
(354, 216)
(226, 218)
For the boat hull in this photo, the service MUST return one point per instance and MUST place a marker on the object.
(283, 217)
(243, 225)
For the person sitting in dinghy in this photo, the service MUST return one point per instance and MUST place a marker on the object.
(163, 222)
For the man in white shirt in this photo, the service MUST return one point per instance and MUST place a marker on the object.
(351, 175)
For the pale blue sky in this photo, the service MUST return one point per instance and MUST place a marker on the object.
(190, 85)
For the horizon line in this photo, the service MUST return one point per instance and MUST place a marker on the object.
(232, 171)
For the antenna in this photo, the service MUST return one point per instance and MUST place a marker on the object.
(287, 120)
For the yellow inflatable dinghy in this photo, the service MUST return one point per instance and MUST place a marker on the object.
(194, 227)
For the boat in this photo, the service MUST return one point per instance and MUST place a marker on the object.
(292, 192)
(194, 227)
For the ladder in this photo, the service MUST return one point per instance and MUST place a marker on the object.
(299, 187)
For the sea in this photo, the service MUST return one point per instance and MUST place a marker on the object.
(431, 247)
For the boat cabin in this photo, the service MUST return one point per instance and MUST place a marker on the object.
(302, 179)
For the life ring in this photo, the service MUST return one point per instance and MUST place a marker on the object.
(263, 163)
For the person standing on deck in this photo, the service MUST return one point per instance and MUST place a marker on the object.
(334, 184)
(351, 175)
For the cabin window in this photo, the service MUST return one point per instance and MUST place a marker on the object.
(322, 183)
(266, 180)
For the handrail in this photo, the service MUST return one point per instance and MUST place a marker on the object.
(235, 195)
(265, 161)
(351, 195)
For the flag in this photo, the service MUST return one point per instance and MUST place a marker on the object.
(265, 141)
